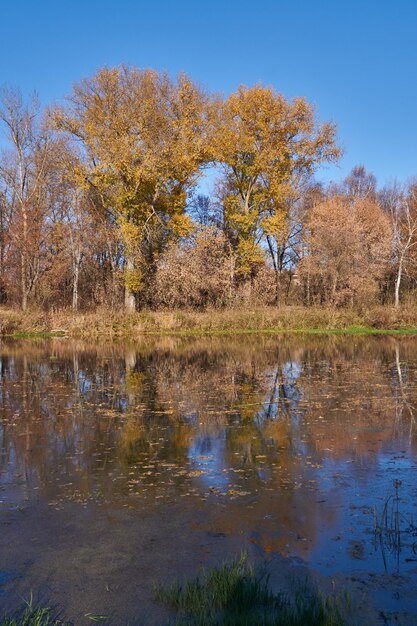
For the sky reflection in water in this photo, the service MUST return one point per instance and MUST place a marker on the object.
(293, 444)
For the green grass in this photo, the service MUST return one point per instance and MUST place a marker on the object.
(232, 594)
(41, 616)
(32, 616)
(358, 330)
(235, 594)
(349, 330)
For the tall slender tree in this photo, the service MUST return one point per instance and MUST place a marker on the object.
(24, 177)
(401, 206)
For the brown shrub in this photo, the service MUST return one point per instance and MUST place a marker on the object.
(349, 245)
(194, 273)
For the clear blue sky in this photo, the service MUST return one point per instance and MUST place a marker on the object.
(356, 60)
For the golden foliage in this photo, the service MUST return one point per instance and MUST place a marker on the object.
(131, 234)
(249, 254)
(133, 279)
(144, 137)
(265, 141)
(181, 225)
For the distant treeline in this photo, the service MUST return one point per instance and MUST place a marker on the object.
(99, 202)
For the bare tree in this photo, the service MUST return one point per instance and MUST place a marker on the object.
(360, 183)
(401, 206)
(23, 173)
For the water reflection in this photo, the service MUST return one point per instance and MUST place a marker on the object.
(288, 442)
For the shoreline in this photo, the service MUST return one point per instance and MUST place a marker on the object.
(231, 332)
(114, 325)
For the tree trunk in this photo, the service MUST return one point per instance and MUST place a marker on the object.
(113, 272)
(289, 283)
(130, 300)
(275, 262)
(231, 276)
(398, 283)
(278, 287)
(23, 259)
(23, 284)
(75, 284)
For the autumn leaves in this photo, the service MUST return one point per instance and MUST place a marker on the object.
(142, 141)
(266, 145)
(99, 204)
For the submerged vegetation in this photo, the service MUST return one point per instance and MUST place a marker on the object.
(231, 594)
(31, 615)
(393, 530)
(235, 594)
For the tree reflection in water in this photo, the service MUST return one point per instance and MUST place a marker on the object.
(287, 441)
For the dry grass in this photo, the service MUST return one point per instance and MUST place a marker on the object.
(114, 324)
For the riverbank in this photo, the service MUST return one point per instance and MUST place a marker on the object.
(109, 324)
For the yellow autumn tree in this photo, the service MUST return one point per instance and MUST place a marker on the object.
(144, 138)
(266, 142)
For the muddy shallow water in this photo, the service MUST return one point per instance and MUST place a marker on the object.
(125, 465)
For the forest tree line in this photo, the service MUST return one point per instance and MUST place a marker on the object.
(100, 202)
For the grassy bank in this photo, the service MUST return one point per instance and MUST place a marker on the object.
(114, 324)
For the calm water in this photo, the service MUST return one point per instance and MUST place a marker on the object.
(122, 465)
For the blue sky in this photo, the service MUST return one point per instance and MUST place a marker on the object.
(355, 60)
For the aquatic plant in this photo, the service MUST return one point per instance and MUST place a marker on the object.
(392, 525)
(32, 616)
(236, 594)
